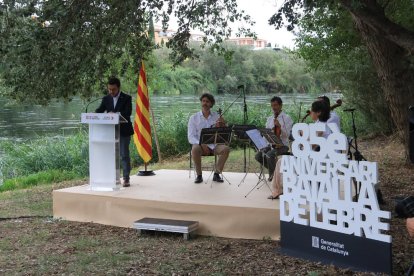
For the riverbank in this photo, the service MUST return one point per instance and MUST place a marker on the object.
(42, 245)
(40, 158)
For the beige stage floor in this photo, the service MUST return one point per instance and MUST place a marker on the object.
(221, 209)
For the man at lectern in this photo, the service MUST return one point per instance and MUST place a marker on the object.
(205, 119)
(117, 101)
(281, 124)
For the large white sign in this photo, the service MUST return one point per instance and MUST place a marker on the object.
(317, 185)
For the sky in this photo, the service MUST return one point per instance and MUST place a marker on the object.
(261, 11)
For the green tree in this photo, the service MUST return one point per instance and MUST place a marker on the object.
(264, 71)
(151, 30)
(386, 29)
(70, 47)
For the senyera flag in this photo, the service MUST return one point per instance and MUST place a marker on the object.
(142, 127)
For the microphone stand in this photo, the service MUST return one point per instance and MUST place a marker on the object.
(357, 156)
(245, 119)
(245, 116)
(86, 109)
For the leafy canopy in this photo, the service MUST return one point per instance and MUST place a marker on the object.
(62, 48)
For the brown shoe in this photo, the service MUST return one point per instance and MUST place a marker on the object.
(126, 183)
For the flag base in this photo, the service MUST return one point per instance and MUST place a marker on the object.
(145, 173)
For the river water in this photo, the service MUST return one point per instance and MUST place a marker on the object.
(25, 121)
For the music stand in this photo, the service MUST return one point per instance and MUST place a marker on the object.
(271, 137)
(216, 136)
(260, 143)
(240, 132)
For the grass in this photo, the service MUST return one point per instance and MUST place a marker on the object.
(181, 162)
(32, 170)
(44, 177)
(46, 246)
(36, 201)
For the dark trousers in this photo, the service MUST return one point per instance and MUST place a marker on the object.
(125, 159)
(270, 159)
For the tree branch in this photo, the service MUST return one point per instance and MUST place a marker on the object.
(372, 14)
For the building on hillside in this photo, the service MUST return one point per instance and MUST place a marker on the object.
(249, 41)
(161, 37)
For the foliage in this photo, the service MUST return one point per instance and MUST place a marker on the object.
(59, 49)
(60, 153)
(386, 30)
(264, 71)
(329, 44)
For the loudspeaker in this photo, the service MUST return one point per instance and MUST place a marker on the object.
(411, 133)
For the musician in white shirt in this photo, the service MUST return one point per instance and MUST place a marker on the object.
(320, 112)
(280, 120)
(205, 119)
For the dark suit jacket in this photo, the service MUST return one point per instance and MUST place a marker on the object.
(124, 106)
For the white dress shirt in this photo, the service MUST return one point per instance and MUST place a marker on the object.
(286, 124)
(116, 98)
(328, 130)
(334, 118)
(196, 123)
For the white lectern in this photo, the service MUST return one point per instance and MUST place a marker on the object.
(104, 166)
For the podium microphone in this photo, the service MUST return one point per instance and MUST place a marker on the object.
(86, 109)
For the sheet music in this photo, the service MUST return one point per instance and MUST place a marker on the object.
(270, 137)
(216, 135)
(257, 139)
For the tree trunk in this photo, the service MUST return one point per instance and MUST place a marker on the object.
(394, 69)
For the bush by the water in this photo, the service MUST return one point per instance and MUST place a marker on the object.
(45, 154)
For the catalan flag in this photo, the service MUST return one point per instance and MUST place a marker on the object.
(142, 134)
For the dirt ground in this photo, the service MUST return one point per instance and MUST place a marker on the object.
(41, 245)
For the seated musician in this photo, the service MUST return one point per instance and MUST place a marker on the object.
(333, 116)
(319, 114)
(205, 119)
(281, 123)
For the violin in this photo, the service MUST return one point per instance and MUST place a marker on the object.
(219, 122)
(306, 116)
(277, 129)
(338, 103)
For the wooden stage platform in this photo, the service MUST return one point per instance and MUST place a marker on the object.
(221, 209)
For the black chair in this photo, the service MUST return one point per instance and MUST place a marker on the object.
(191, 168)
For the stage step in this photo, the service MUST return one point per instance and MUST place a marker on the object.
(167, 225)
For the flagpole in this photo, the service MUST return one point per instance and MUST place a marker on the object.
(145, 172)
(142, 126)
(156, 136)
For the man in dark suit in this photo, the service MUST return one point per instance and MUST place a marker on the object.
(117, 101)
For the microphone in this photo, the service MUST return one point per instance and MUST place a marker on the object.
(86, 109)
(240, 87)
(350, 109)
